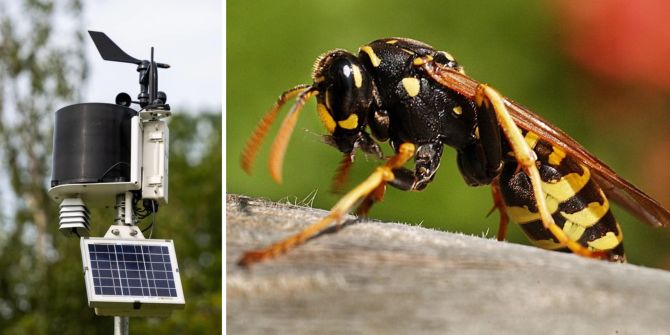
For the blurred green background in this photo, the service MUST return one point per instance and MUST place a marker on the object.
(514, 46)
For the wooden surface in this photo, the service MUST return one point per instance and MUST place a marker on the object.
(388, 278)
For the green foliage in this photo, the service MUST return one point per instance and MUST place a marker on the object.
(37, 73)
(193, 219)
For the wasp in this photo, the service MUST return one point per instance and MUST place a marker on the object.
(419, 100)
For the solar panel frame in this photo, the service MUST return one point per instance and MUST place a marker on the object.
(112, 282)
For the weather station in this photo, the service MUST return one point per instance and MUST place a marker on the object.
(110, 155)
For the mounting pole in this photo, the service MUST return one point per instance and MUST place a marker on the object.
(124, 215)
(121, 325)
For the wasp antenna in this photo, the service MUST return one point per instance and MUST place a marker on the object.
(281, 140)
(254, 141)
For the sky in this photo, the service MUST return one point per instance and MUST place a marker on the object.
(187, 35)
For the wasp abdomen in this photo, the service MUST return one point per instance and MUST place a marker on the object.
(578, 205)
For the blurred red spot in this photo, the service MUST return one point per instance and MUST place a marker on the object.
(620, 40)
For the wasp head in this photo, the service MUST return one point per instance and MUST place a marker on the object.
(344, 100)
(344, 92)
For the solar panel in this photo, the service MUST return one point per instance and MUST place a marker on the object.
(134, 277)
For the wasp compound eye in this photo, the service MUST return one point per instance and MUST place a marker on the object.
(347, 94)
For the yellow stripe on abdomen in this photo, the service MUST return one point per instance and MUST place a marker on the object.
(590, 215)
(523, 215)
(608, 241)
(566, 187)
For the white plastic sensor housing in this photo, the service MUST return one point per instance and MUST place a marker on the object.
(155, 143)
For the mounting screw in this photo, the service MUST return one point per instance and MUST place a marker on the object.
(115, 231)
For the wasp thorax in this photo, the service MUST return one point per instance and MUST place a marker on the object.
(345, 92)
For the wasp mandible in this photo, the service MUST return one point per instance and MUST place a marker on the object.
(404, 92)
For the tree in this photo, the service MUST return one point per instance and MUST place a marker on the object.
(37, 73)
(193, 219)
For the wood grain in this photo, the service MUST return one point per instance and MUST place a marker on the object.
(388, 278)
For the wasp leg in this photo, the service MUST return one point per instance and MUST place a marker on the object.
(499, 204)
(380, 176)
(376, 195)
(486, 97)
(426, 163)
(364, 143)
(481, 161)
(341, 174)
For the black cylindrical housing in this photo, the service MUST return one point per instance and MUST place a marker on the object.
(92, 144)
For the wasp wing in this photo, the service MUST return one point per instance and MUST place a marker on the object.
(618, 189)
